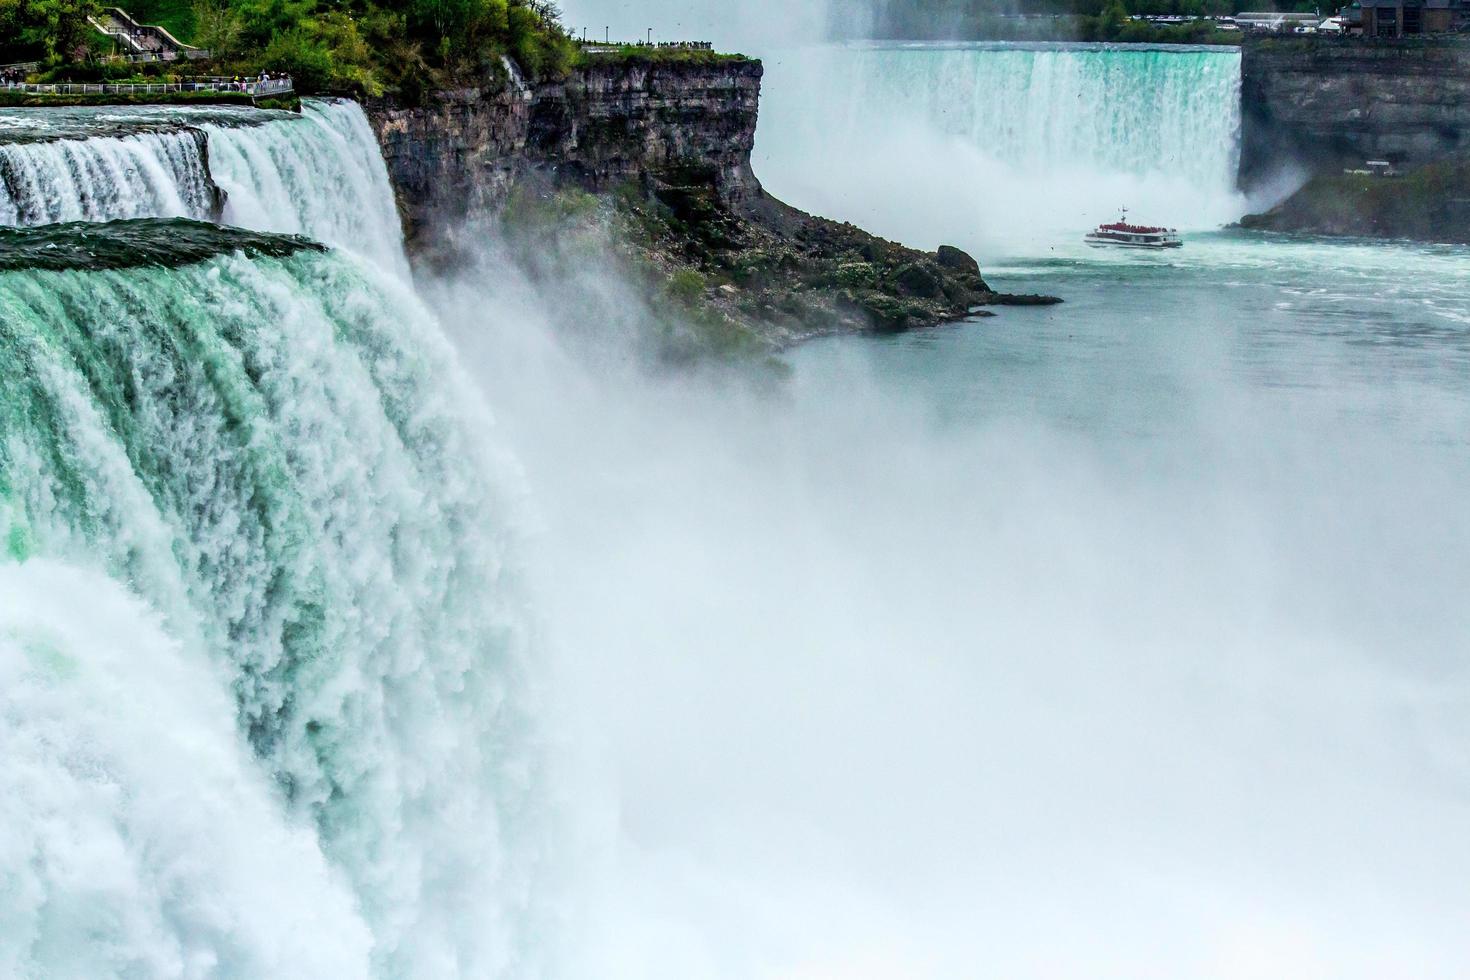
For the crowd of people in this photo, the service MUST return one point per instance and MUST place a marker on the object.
(11, 77)
(661, 45)
(237, 83)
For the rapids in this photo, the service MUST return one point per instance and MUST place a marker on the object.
(318, 174)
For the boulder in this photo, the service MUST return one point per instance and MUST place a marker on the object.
(918, 279)
(957, 259)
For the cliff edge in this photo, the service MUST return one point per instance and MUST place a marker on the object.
(1319, 104)
(665, 148)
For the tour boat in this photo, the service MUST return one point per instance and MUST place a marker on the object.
(1124, 235)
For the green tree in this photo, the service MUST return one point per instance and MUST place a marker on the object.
(50, 29)
(1113, 19)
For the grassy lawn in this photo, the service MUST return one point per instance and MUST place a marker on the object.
(174, 16)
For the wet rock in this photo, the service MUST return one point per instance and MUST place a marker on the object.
(1021, 299)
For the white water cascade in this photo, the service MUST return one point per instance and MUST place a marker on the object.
(321, 176)
(259, 491)
(139, 175)
(318, 174)
(278, 459)
(999, 145)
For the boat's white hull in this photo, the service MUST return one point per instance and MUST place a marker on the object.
(1097, 242)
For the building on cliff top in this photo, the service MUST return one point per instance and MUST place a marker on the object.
(1397, 18)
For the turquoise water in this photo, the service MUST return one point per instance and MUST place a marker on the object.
(257, 545)
(1343, 325)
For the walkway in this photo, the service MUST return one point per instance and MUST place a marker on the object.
(144, 40)
(256, 88)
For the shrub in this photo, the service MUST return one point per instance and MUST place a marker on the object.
(687, 286)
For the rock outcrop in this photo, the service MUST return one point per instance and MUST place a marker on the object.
(667, 145)
(1319, 104)
(611, 121)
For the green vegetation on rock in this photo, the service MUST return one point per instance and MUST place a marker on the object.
(1431, 204)
(641, 54)
(359, 46)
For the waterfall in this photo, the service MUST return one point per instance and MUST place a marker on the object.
(1002, 143)
(138, 175)
(1145, 112)
(253, 487)
(321, 176)
(318, 174)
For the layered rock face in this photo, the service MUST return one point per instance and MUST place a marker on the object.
(1325, 103)
(681, 133)
(606, 123)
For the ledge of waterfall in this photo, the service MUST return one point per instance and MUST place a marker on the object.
(171, 242)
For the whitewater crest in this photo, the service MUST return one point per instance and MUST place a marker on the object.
(318, 174)
(247, 475)
(139, 175)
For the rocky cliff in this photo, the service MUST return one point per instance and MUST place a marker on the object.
(657, 154)
(461, 151)
(1319, 104)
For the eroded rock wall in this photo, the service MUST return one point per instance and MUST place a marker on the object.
(462, 151)
(1319, 104)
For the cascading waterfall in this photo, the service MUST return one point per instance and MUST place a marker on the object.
(321, 176)
(275, 453)
(138, 175)
(1145, 112)
(318, 174)
(1000, 143)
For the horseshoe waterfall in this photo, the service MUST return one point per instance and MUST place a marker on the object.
(1010, 142)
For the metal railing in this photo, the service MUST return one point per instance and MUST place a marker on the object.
(613, 47)
(253, 87)
(189, 54)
